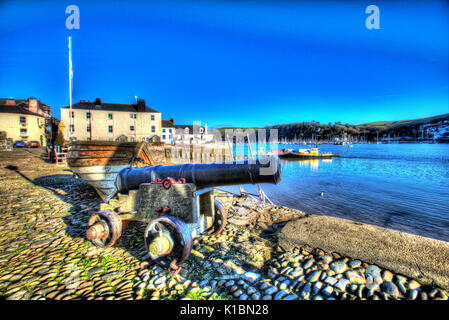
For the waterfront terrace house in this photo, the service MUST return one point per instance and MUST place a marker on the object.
(186, 133)
(26, 120)
(168, 131)
(107, 121)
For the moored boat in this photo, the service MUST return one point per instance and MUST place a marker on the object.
(98, 162)
(311, 153)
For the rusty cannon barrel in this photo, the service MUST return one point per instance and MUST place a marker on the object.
(204, 175)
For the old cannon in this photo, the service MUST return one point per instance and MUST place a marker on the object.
(177, 202)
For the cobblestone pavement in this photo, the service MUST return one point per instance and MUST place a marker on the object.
(44, 253)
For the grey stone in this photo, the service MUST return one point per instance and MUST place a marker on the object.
(298, 271)
(237, 293)
(255, 296)
(402, 288)
(400, 279)
(204, 283)
(279, 294)
(331, 280)
(317, 297)
(272, 273)
(305, 292)
(317, 287)
(234, 288)
(327, 291)
(267, 297)
(160, 280)
(251, 290)
(291, 296)
(251, 276)
(341, 284)
(314, 276)
(326, 259)
(271, 290)
(413, 294)
(230, 283)
(390, 288)
(264, 285)
(284, 284)
(339, 266)
(308, 263)
(412, 284)
(244, 296)
(355, 277)
(354, 263)
(387, 276)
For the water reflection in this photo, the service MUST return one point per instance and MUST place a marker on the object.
(402, 187)
(312, 164)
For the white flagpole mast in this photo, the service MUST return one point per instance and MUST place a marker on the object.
(70, 88)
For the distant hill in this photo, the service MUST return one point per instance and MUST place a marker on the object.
(394, 125)
(404, 130)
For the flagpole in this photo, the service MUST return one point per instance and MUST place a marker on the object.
(70, 88)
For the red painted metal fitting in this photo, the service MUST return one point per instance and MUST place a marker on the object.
(166, 209)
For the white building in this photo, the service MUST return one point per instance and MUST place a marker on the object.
(168, 131)
(192, 134)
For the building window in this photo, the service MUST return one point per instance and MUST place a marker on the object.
(72, 128)
(169, 136)
(169, 130)
(163, 136)
(133, 116)
(152, 117)
(110, 116)
(88, 128)
(131, 139)
(88, 139)
(23, 120)
(110, 139)
(87, 115)
(186, 130)
(110, 129)
(23, 132)
(153, 129)
(163, 130)
(131, 128)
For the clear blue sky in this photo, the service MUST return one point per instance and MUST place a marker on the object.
(240, 63)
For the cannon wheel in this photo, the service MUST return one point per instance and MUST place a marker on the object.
(220, 219)
(180, 235)
(111, 223)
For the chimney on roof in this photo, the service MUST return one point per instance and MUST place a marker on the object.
(140, 105)
(172, 120)
(97, 101)
(33, 105)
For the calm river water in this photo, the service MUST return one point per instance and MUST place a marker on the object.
(398, 186)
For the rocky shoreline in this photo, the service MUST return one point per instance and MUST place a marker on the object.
(44, 253)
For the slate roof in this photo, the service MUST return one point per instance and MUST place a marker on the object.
(21, 108)
(107, 106)
(167, 124)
